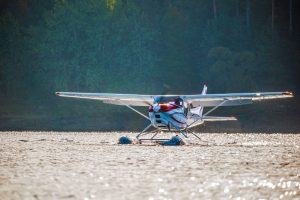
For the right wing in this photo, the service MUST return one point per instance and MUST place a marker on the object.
(110, 98)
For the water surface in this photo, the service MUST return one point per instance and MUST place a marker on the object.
(61, 165)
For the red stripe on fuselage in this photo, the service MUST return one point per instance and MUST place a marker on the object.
(164, 107)
(167, 107)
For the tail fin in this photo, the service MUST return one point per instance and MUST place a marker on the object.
(199, 110)
(204, 89)
(203, 93)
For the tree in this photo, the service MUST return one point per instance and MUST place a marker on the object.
(248, 15)
(237, 8)
(273, 14)
(291, 17)
(215, 9)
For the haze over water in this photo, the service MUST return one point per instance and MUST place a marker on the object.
(60, 165)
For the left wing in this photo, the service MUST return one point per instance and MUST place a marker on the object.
(233, 99)
(110, 98)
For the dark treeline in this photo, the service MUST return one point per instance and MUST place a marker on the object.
(141, 46)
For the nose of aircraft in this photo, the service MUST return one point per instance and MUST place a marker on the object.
(156, 108)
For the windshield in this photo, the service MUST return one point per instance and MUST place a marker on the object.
(170, 100)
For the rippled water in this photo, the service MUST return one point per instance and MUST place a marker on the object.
(52, 165)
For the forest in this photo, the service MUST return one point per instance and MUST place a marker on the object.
(145, 47)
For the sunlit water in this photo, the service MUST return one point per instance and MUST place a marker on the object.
(51, 165)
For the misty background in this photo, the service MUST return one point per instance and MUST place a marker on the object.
(146, 47)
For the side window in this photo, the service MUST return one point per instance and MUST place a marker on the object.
(179, 102)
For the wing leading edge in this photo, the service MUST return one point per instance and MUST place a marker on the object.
(207, 100)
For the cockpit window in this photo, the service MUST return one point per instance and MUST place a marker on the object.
(170, 100)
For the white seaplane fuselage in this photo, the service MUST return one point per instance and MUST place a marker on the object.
(168, 116)
(170, 113)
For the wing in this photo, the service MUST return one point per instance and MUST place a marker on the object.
(206, 100)
(232, 99)
(110, 98)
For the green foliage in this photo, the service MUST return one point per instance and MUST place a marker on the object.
(234, 67)
(86, 47)
(111, 4)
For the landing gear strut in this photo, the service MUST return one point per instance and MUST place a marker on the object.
(175, 140)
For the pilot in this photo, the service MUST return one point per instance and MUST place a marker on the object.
(178, 102)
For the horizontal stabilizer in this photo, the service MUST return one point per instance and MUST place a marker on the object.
(212, 118)
(198, 121)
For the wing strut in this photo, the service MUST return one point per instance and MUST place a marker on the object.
(214, 108)
(135, 110)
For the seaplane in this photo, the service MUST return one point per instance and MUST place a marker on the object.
(176, 113)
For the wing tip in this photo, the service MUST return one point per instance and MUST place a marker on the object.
(287, 93)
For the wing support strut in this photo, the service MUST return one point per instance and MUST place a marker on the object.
(214, 108)
(135, 110)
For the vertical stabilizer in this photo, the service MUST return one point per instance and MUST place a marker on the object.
(199, 110)
(204, 89)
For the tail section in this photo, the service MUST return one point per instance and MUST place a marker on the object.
(199, 110)
(210, 119)
(204, 91)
